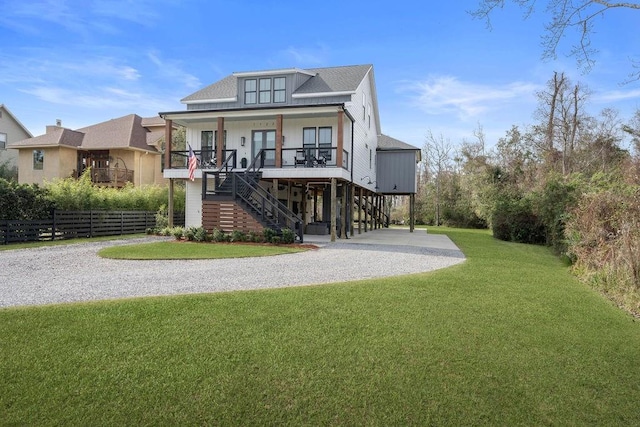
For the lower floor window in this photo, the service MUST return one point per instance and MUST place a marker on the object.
(38, 159)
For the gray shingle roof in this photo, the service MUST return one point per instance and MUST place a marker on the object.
(325, 80)
(385, 142)
(222, 89)
(334, 79)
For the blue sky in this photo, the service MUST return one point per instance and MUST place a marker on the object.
(436, 68)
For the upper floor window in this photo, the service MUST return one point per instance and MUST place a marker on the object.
(3, 141)
(279, 89)
(309, 137)
(38, 159)
(369, 115)
(319, 138)
(265, 91)
(250, 91)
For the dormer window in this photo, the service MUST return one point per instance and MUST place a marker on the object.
(250, 91)
(279, 89)
(265, 90)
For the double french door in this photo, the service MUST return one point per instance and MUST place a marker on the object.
(265, 139)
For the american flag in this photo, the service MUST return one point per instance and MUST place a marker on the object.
(193, 164)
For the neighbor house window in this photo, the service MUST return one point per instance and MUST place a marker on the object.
(364, 105)
(265, 91)
(279, 89)
(38, 159)
(3, 141)
(250, 91)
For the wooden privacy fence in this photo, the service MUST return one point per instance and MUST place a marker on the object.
(74, 224)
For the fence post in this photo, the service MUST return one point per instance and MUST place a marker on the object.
(53, 226)
(90, 223)
(121, 223)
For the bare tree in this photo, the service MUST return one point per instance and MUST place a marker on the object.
(561, 114)
(566, 15)
(437, 158)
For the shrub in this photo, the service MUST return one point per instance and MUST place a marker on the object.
(190, 233)
(268, 234)
(513, 220)
(177, 232)
(552, 204)
(604, 240)
(219, 236)
(201, 235)
(288, 236)
(162, 217)
(23, 201)
(276, 240)
(238, 236)
(255, 237)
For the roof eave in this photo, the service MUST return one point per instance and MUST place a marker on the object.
(209, 101)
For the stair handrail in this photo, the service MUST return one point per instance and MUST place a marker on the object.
(254, 167)
(229, 162)
(268, 202)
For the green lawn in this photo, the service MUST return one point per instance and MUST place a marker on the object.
(67, 241)
(506, 338)
(191, 250)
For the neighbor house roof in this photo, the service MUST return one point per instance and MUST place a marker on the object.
(54, 137)
(6, 110)
(323, 80)
(123, 132)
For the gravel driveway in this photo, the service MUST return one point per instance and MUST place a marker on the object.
(70, 273)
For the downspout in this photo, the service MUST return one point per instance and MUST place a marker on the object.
(351, 231)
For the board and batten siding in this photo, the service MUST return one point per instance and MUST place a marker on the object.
(397, 169)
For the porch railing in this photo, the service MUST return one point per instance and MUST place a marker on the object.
(206, 158)
(265, 159)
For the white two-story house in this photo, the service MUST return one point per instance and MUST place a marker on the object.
(295, 148)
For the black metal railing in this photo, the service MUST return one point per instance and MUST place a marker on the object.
(309, 157)
(244, 186)
(206, 158)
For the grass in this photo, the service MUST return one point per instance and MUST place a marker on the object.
(191, 250)
(506, 338)
(67, 241)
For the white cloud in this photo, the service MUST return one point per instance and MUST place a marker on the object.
(449, 95)
(305, 57)
(618, 95)
(172, 70)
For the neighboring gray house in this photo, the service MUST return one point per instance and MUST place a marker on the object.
(11, 130)
(289, 148)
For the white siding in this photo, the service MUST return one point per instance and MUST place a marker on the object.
(193, 203)
(365, 136)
